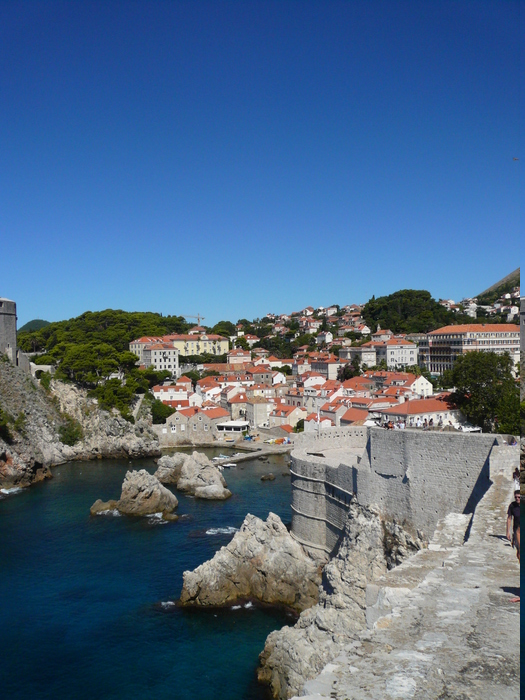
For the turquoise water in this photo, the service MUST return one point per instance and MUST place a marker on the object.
(81, 613)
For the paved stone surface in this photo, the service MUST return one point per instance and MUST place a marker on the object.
(453, 633)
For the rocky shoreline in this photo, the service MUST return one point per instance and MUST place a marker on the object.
(263, 562)
(35, 444)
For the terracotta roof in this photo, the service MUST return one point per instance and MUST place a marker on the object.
(430, 405)
(286, 428)
(184, 403)
(216, 412)
(353, 415)
(477, 328)
(147, 339)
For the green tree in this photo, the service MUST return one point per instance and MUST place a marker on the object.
(224, 328)
(160, 411)
(241, 342)
(486, 391)
(349, 370)
(409, 311)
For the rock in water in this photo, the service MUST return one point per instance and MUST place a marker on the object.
(169, 467)
(262, 561)
(200, 478)
(102, 506)
(143, 494)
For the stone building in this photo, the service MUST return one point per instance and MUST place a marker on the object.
(8, 344)
(8, 328)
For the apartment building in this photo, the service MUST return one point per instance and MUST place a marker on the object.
(444, 345)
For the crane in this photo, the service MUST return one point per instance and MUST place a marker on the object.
(197, 316)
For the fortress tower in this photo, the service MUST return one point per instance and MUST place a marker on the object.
(8, 329)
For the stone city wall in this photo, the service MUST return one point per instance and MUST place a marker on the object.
(413, 476)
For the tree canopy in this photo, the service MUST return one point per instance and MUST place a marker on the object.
(409, 311)
(486, 391)
(114, 328)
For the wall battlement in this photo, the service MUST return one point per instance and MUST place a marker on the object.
(413, 476)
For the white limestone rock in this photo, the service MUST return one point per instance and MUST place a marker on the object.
(262, 561)
(143, 494)
(169, 467)
(200, 478)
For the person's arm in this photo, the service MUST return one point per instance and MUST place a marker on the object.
(509, 528)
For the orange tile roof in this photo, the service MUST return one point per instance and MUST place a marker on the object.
(147, 339)
(216, 412)
(477, 328)
(430, 405)
(353, 415)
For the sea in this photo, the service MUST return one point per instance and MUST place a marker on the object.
(87, 602)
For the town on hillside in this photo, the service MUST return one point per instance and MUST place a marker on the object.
(345, 373)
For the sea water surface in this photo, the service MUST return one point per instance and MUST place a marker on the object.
(85, 606)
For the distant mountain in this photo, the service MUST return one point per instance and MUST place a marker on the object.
(34, 325)
(504, 286)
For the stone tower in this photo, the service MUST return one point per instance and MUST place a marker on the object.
(8, 329)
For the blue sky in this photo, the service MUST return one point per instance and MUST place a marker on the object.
(236, 158)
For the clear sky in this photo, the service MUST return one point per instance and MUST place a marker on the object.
(238, 158)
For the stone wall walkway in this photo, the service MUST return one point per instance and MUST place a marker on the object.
(452, 633)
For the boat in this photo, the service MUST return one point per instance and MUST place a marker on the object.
(228, 465)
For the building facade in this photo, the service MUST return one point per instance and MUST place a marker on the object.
(446, 344)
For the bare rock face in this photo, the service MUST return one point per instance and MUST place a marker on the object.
(296, 654)
(169, 467)
(200, 478)
(106, 434)
(143, 494)
(35, 444)
(262, 561)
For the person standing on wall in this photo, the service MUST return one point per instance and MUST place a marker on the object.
(513, 518)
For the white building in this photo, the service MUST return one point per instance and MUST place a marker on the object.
(161, 356)
(397, 353)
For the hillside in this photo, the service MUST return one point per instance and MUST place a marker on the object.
(40, 428)
(34, 325)
(115, 328)
(504, 286)
(409, 311)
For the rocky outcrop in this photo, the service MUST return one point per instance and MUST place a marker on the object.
(99, 507)
(268, 477)
(37, 417)
(262, 561)
(200, 478)
(296, 654)
(143, 494)
(106, 434)
(169, 468)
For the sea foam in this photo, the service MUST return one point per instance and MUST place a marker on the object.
(110, 511)
(222, 530)
(10, 492)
